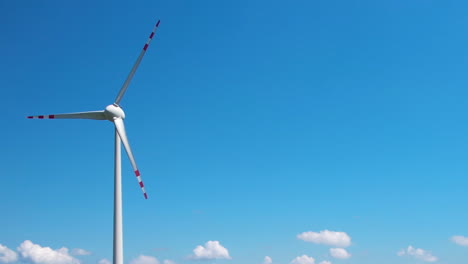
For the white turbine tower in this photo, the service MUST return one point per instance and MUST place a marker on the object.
(116, 115)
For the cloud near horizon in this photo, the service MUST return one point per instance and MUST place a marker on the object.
(37, 254)
(326, 237)
(418, 253)
(304, 259)
(142, 259)
(7, 255)
(460, 240)
(211, 250)
(80, 252)
(339, 253)
(267, 260)
(104, 261)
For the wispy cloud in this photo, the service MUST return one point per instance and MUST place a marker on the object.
(326, 237)
(460, 240)
(142, 259)
(304, 259)
(80, 252)
(339, 253)
(267, 260)
(418, 253)
(104, 261)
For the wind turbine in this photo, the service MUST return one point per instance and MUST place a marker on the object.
(116, 115)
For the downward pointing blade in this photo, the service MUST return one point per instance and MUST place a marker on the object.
(119, 125)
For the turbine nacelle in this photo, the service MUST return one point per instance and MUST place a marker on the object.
(113, 112)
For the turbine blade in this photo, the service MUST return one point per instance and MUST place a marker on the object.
(96, 115)
(119, 125)
(135, 66)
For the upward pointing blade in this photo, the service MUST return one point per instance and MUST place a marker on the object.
(119, 126)
(135, 66)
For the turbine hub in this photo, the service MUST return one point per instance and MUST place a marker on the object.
(114, 111)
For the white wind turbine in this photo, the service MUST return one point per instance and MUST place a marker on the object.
(116, 115)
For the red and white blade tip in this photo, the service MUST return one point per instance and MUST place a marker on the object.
(42, 117)
(142, 186)
(151, 36)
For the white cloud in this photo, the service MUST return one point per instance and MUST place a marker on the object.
(339, 253)
(326, 237)
(45, 255)
(104, 261)
(211, 250)
(267, 260)
(7, 255)
(418, 253)
(167, 261)
(460, 240)
(304, 259)
(80, 252)
(325, 262)
(142, 259)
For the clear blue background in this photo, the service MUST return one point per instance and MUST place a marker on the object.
(251, 122)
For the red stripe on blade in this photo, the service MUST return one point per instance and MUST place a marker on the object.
(137, 173)
(51, 116)
(146, 196)
(152, 34)
(30, 117)
(157, 24)
(141, 185)
(41, 117)
(145, 47)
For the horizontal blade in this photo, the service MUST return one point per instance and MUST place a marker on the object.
(96, 115)
(135, 66)
(119, 126)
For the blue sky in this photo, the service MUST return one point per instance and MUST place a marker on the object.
(251, 121)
